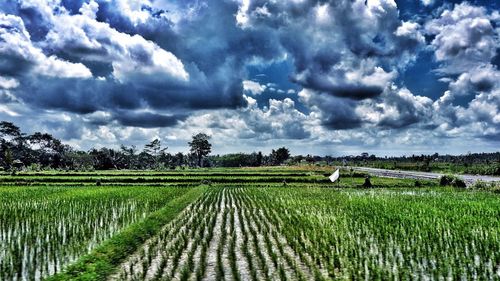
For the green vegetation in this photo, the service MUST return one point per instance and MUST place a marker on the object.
(457, 167)
(44, 229)
(450, 180)
(273, 223)
(41, 151)
(101, 262)
(389, 234)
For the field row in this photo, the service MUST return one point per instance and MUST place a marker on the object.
(167, 179)
(272, 170)
(222, 236)
(294, 234)
(179, 180)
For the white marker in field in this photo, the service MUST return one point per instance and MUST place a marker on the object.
(335, 176)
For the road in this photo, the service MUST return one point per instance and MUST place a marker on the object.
(469, 179)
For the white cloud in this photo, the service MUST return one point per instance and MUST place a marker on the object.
(427, 2)
(279, 120)
(397, 108)
(253, 87)
(370, 75)
(16, 45)
(464, 38)
(129, 55)
(8, 83)
(134, 9)
(89, 9)
(411, 30)
(6, 110)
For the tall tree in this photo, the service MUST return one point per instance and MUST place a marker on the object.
(155, 150)
(259, 159)
(200, 146)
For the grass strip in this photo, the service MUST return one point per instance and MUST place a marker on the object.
(102, 261)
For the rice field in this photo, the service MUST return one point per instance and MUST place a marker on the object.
(44, 229)
(234, 225)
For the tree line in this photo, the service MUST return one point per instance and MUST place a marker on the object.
(44, 151)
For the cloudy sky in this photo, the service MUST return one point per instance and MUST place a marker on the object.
(324, 77)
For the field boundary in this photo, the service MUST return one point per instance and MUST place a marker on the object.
(102, 261)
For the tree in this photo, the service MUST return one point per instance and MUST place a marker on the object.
(9, 129)
(259, 159)
(104, 158)
(309, 159)
(8, 158)
(280, 155)
(154, 149)
(47, 150)
(200, 146)
(16, 141)
(178, 159)
(129, 156)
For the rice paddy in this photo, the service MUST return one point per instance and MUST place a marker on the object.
(234, 225)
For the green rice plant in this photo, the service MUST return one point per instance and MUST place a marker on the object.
(437, 233)
(220, 248)
(44, 229)
(136, 226)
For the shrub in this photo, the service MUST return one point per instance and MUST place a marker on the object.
(206, 182)
(367, 182)
(458, 182)
(489, 186)
(34, 167)
(445, 180)
(450, 180)
(480, 185)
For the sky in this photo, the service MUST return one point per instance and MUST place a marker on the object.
(336, 77)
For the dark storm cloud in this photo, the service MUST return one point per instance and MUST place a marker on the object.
(214, 48)
(147, 119)
(210, 43)
(341, 119)
(14, 65)
(336, 113)
(65, 130)
(87, 96)
(79, 96)
(483, 85)
(354, 92)
(215, 71)
(155, 63)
